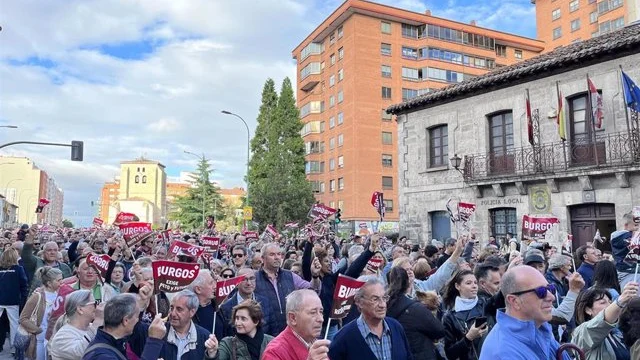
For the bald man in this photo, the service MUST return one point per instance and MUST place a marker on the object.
(522, 330)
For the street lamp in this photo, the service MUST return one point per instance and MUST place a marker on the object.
(455, 162)
(248, 145)
(204, 223)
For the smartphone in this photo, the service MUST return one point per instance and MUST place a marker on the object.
(480, 321)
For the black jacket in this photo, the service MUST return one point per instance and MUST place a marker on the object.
(456, 325)
(421, 327)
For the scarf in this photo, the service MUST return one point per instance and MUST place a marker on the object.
(465, 304)
(254, 344)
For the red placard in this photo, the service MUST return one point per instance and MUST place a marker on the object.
(100, 262)
(321, 211)
(97, 222)
(465, 210)
(535, 228)
(250, 234)
(134, 232)
(57, 309)
(343, 296)
(374, 264)
(178, 246)
(210, 243)
(124, 217)
(224, 288)
(173, 276)
(41, 204)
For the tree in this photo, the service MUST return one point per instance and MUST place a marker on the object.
(188, 208)
(280, 191)
(66, 223)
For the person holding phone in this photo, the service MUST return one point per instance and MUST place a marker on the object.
(465, 323)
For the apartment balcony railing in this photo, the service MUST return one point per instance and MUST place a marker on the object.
(609, 151)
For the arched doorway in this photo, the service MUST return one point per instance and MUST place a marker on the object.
(587, 218)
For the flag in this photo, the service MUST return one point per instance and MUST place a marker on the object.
(631, 93)
(560, 117)
(41, 204)
(529, 119)
(344, 296)
(377, 201)
(597, 108)
(225, 287)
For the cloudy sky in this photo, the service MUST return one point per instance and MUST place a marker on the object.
(149, 78)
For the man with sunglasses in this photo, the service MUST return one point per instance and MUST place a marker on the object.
(238, 257)
(522, 330)
(244, 291)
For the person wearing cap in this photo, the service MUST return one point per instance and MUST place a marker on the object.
(559, 270)
(535, 259)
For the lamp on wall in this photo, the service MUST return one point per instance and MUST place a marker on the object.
(455, 162)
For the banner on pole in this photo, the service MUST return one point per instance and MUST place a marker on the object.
(343, 296)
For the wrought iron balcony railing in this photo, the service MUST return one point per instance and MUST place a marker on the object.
(609, 150)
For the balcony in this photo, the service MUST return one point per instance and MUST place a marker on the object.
(611, 152)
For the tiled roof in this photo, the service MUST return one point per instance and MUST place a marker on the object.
(603, 48)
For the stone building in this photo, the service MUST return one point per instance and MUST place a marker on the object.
(482, 123)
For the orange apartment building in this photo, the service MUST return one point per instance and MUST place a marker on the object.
(363, 58)
(561, 22)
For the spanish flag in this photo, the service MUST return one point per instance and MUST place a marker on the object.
(560, 117)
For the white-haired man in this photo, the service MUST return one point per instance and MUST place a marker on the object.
(204, 286)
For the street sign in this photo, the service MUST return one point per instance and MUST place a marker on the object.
(248, 213)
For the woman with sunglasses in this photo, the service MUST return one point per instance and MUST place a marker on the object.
(40, 304)
(465, 323)
(77, 327)
(597, 318)
(227, 273)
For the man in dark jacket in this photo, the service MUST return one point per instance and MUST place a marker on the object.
(120, 322)
(204, 287)
(620, 248)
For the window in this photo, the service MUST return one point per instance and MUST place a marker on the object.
(332, 164)
(332, 122)
(340, 96)
(332, 59)
(575, 25)
(340, 53)
(410, 73)
(385, 49)
(501, 143)
(387, 182)
(574, 5)
(387, 160)
(137, 179)
(340, 161)
(332, 204)
(603, 7)
(387, 138)
(438, 146)
(332, 38)
(386, 116)
(311, 69)
(314, 167)
(315, 186)
(385, 27)
(616, 4)
(144, 179)
(332, 80)
(503, 221)
(332, 101)
(332, 185)
(143, 169)
(604, 27)
(386, 71)
(518, 54)
(340, 118)
(617, 24)
(341, 205)
(313, 107)
(314, 147)
(322, 187)
(340, 74)
(386, 92)
(388, 205)
(340, 140)
(557, 32)
(447, 34)
(408, 94)
(444, 75)
(332, 143)
(501, 50)
(311, 49)
(593, 17)
(409, 53)
(340, 183)
(555, 14)
(411, 31)
(340, 32)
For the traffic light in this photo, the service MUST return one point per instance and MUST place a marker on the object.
(77, 150)
(338, 215)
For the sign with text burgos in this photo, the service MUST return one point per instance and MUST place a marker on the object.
(343, 296)
(173, 276)
(536, 227)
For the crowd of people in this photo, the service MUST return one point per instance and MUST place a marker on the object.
(464, 298)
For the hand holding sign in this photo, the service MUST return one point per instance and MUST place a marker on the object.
(172, 276)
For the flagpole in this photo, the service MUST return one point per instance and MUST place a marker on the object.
(564, 139)
(326, 332)
(632, 138)
(593, 123)
(213, 330)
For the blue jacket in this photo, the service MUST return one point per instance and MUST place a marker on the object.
(513, 339)
(587, 270)
(204, 318)
(620, 248)
(349, 343)
(151, 351)
(13, 279)
(170, 351)
(227, 307)
(277, 302)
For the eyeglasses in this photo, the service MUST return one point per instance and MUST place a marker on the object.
(94, 303)
(226, 276)
(378, 299)
(250, 278)
(541, 291)
(36, 244)
(238, 255)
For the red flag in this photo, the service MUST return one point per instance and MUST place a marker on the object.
(529, 119)
(211, 223)
(291, 225)
(41, 204)
(271, 232)
(321, 211)
(536, 228)
(100, 262)
(225, 287)
(97, 222)
(465, 210)
(374, 264)
(173, 276)
(135, 232)
(178, 246)
(377, 201)
(124, 217)
(210, 243)
(597, 106)
(343, 296)
(250, 234)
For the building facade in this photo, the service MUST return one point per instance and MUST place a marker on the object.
(23, 184)
(587, 181)
(8, 213)
(360, 60)
(142, 191)
(561, 23)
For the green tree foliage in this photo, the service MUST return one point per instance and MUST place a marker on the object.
(66, 223)
(279, 191)
(188, 208)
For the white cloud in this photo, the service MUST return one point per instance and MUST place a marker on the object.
(164, 125)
